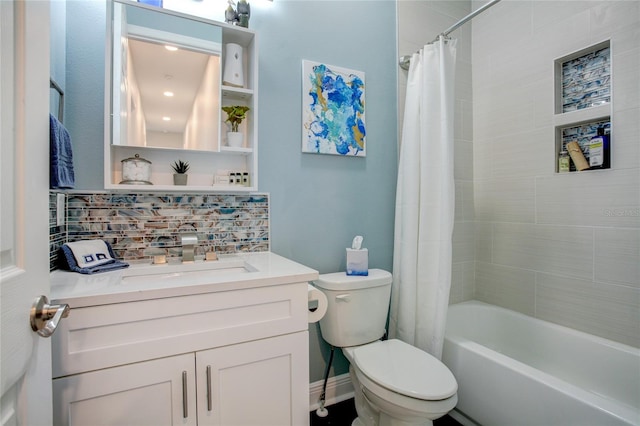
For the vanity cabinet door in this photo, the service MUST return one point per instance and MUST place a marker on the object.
(145, 393)
(264, 382)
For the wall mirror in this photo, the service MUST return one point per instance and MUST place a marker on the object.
(165, 79)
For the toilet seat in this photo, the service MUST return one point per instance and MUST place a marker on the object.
(408, 410)
(404, 369)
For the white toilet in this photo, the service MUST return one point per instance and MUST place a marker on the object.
(395, 383)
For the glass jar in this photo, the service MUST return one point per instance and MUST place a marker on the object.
(136, 171)
(563, 162)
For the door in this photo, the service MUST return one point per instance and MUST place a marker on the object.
(25, 358)
(157, 392)
(264, 382)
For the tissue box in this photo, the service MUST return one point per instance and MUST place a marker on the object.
(357, 262)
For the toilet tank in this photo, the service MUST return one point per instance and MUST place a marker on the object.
(357, 307)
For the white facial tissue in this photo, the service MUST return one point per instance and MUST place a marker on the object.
(357, 258)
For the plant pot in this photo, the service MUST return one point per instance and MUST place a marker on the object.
(180, 179)
(235, 139)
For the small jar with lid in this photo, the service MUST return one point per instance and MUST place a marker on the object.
(136, 171)
(563, 162)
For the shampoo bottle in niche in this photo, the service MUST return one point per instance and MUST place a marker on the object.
(357, 258)
(599, 151)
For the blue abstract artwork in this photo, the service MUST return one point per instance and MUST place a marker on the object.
(333, 119)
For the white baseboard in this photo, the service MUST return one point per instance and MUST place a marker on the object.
(339, 388)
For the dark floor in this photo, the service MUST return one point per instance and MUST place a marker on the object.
(343, 413)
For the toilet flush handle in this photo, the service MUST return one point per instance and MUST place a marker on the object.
(343, 297)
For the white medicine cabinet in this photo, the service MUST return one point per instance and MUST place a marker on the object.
(144, 78)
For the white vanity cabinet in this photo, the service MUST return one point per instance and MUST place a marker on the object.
(146, 393)
(232, 352)
(254, 383)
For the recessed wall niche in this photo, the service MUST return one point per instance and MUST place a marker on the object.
(583, 103)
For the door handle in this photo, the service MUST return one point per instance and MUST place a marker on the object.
(44, 317)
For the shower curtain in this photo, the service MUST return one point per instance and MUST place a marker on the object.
(425, 199)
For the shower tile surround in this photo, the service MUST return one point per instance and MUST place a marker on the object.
(560, 247)
(140, 225)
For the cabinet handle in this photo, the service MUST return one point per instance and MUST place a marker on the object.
(185, 408)
(209, 396)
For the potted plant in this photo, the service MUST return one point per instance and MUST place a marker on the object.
(180, 176)
(235, 115)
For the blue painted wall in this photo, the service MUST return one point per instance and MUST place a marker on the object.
(318, 202)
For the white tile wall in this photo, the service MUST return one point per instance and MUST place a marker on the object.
(572, 241)
(627, 128)
(592, 198)
(484, 241)
(562, 250)
(617, 256)
(462, 282)
(511, 288)
(565, 248)
(606, 310)
(465, 209)
(505, 199)
(626, 84)
(463, 241)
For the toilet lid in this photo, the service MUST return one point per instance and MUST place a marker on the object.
(405, 369)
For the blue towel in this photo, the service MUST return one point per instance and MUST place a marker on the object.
(90, 257)
(61, 156)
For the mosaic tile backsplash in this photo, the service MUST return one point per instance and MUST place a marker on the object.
(586, 80)
(139, 226)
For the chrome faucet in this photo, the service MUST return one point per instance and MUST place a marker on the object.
(189, 244)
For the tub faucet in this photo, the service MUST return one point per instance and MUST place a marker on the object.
(189, 243)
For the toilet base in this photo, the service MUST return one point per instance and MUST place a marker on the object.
(357, 422)
(374, 411)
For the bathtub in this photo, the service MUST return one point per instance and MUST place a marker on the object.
(513, 369)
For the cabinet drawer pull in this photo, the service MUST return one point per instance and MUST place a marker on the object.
(209, 396)
(185, 408)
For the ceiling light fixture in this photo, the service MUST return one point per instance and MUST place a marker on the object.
(170, 48)
(168, 94)
(166, 118)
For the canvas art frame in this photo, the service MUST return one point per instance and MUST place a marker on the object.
(333, 110)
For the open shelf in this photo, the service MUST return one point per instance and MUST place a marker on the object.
(220, 159)
(583, 101)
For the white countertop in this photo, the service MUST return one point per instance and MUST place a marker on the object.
(142, 282)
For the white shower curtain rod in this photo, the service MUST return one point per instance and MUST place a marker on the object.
(405, 60)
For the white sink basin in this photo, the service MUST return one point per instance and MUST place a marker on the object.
(216, 268)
